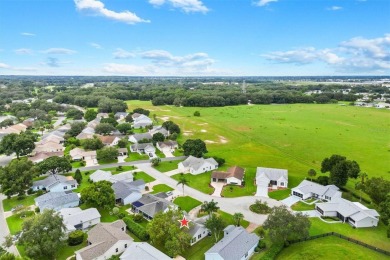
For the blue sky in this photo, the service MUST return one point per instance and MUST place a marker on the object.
(195, 37)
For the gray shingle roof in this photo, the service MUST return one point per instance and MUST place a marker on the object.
(54, 200)
(271, 173)
(311, 187)
(196, 163)
(122, 189)
(140, 137)
(144, 251)
(53, 180)
(74, 216)
(153, 204)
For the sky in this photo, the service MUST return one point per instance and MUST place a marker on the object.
(195, 37)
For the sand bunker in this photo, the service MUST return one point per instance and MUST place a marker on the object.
(222, 139)
(209, 142)
(203, 131)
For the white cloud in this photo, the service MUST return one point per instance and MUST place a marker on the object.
(188, 6)
(27, 34)
(97, 8)
(21, 69)
(96, 45)
(59, 51)
(23, 51)
(4, 66)
(265, 2)
(334, 8)
(356, 54)
(128, 69)
(165, 58)
(123, 54)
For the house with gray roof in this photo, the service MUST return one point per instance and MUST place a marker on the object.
(78, 219)
(55, 183)
(127, 193)
(100, 175)
(123, 177)
(57, 200)
(150, 204)
(141, 121)
(135, 138)
(144, 148)
(353, 213)
(168, 145)
(271, 177)
(105, 240)
(197, 166)
(144, 251)
(308, 189)
(159, 129)
(236, 244)
(197, 230)
(120, 115)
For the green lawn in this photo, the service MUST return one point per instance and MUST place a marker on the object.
(8, 204)
(115, 170)
(279, 194)
(67, 251)
(329, 248)
(161, 188)
(102, 162)
(136, 157)
(196, 252)
(231, 191)
(106, 215)
(167, 166)
(77, 164)
(187, 203)
(84, 182)
(229, 220)
(141, 175)
(300, 206)
(200, 182)
(15, 222)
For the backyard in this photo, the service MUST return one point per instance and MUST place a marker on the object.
(187, 203)
(200, 182)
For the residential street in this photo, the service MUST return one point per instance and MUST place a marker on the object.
(4, 231)
(59, 121)
(5, 159)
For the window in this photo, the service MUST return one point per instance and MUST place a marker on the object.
(116, 250)
(199, 236)
(282, 184)
(125, 245)
(193, 240)
(65, 187)
(123, 229)
(73, 186)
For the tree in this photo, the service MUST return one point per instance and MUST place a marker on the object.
(210, 207)
(216, 225)
(107, 154)
(92, 144)
(312, 173)
(75, 129)
(340, 169)
(7, 122)
(377, 189)
(74, 113)
(78, 177)
(109, 120)
(123, 143)
(141, 111)
(124, 128)
(196, 113)
(104, 128)
(17, 177)
(129, 118)
(183, 181)
(8, 242)
(90, 115)
(283, 225)
(219, 160)
(43, 235)
(237, 218)
(384, 210)
(171, 127)
(21, 144)
(158, 137)
(165, 232)
(155, 161)
(99, 194)
(55, 165)
(194, 147)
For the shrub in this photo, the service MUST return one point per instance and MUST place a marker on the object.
(257, 249)
(260, 207)
(119, 168)
(137, 218)
(40, 192)
(147, 188)
(115, 211)
(30, 191)
(136, 229)
(260, 231)
(272, 252)
(75, 238)
(121, 215)
(219, 160)
(86, 173)
(82, 163)
(261, 244)
(323, 180)
(37, 210)
(196, 113)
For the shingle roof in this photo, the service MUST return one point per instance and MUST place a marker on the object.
(122, 189)
(234, 245)
(144, 251)
(152, 204)
(311, 187)
(235, 171)
(100, 175)
(124, 176)
(271, 173)
(54, 200)
(54, 179)
(140, 137)
(196, 163)
(74, 216)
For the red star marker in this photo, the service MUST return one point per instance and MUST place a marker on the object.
(184, 222)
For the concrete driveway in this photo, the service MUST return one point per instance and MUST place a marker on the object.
(168, 153)
(173, 172)
(290, 201)
(218, 186)
(262, 189)
(5, 159)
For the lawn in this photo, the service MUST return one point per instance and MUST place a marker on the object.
(84, 182)
(232, 191)
(136, 157)
(279, 194)
(116, 170)
(196, 252)
(296, 137)
(102, 162)
(200, 182)
(141, 175)
(161, 188)
(66, 251)
(329, 248)
(167, 166)
(229, 220)
(15, 222)
(8, 204)
(187, 203)
(300, 206)
(77, 164)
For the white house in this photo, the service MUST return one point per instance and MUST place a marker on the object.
(104, 241)
(233, 175)
(307, 189)
(128, 192)
(55, 183)
(78, 154)
(353, 213)
(57, 200)
(169, 146)
(144, 148)
(141, 121)
(197, 230)
(136, 138)
(143, 251)
(275, 178)
(100, 175)
(78, 219)
(236, 244)
(159, 129)
(197, 166)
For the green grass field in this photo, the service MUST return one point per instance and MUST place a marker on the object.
(187, 203)
(167, 166)
(115, 170)
(141, 175)
(200, 182)
(8, 204)
(300, 206)
(161, 188)
(15, 222)
(329, 248)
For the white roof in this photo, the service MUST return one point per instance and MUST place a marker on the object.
(144, 251)
(124, 176)
(100, 175)
(271, 173)
(306, 187)
(74, 216)
(196, 163)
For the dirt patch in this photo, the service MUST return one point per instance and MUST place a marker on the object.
(187, 133)
(203, 131)
(222, 139)
(203, 124)
(165, 118)
(209, 142)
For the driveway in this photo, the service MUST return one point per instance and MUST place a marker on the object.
(5, 159)
(262, 189)
(310, 213)
(290, 201)
(173, 172)
(218, 186)
(4, 231)
(168, 153)
(121, 159)
(58, 122)
(229, 205)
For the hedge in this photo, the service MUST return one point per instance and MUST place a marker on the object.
(272, 252)
(75, 238)
(136, 229)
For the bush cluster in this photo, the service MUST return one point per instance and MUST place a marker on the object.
(75, 238)
(136, 229)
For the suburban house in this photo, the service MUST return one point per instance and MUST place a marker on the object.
(150, 204)
(109, 140)
(135, 138)
(29, 122)
(83, 136)
(122, 151)
(196, 166)
(233, 175)
(48, 147)
(159, 129)
(274, 178)
(57, 200)
(307, 189)
(236, 244)
(102, 115)
(57, 138)
(197, 230)
(78, 219)
(39, 157)
(100, 175)
(120, 115)
(55, 183)
(169, 146)
(14, 129)
(144, 251)
(353, 213)
(78, 154)
(144, 148)
(89, 129)
(104, 241)
(141, 121)
(128, 192)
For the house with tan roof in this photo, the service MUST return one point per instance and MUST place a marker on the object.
(104, 241)
(233, 175)
(39, 157)
(83, 136)
(14, 129)
(109, 140)
(197, 166)
(79, 154)
(48, 147)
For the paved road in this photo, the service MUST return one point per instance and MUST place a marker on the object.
(4, 231)
(5, 160)
(230, 205)
(58, 122)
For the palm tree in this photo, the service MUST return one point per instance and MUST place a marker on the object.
(183, 181)
(210, 207)
(237, 218)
